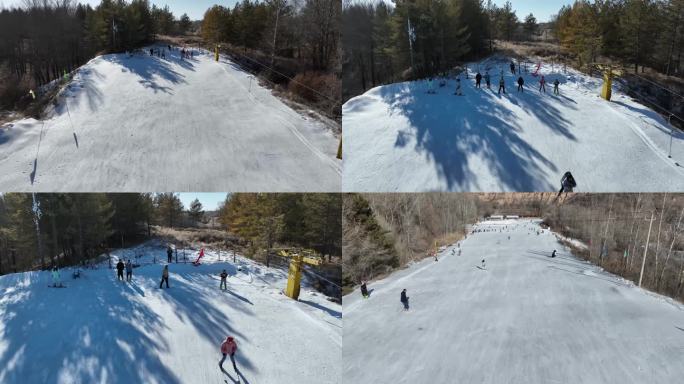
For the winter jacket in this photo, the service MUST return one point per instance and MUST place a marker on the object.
(403, 297)
(223, 275)
(364, 289)
(542, 81)
(120, 266)
(478, 77)
(521, 81)
(129, 267)
(486, 76)
(165, 273)
(229, 347)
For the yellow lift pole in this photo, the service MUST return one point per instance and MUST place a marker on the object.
(609, 72)
(294, 275)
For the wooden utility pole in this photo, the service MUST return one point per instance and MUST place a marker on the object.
(648, 237)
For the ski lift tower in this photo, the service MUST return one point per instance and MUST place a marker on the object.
(609, 72)
(297, 261)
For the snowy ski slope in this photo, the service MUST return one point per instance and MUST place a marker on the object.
(142, 123)
(527, 318)
(100, 330)
(400, 138)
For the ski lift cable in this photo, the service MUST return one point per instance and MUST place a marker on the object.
(321, 277)
(658, 85)
(285, 76)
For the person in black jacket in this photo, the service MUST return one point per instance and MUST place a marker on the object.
(169, 254)
(119, 270)
(224, 283)
(521, 82)
(478, 80)
(364, 290)
(405, 300)
(568, 183)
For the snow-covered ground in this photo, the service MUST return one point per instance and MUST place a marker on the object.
(100, 330)
(143, 123)
(400, 138)
(527, 318)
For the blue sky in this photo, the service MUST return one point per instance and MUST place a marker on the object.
(194, 8)
(542, 9)
(210, 201)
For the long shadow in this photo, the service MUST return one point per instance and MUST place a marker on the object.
(681, 329)
(188, 298)
(246, 300)
(486, 130)
(87, 347)
(85, 81)
(148, 68)
(331, 312)
(619, 284)
(32, 175)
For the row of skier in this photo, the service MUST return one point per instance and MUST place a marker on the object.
(502, 84)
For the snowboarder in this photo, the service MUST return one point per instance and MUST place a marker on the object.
(228, 348)
(483, 264)
(364, 290)
(478, 80)
(405, 300)
(542, 84)
(169, 253)
(487, 80)
(553, 254)
(165, 277)
(129, 270)
(512, 67)
(458, 87)
(521, 82)
(224, 284)
(556, 83)
(119, 270)
(568, 183)
(502, 85)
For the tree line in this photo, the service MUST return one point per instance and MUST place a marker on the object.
(45, 39)
(290, 42)
(418, 38)
(309, 220)
(638, 32)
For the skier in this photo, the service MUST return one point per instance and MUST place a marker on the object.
(512, 67)
(502, 85)
(229, 347)
(568, 183)
(521, 82)
(129, 270)
(483, 264)
(364, 290)
(431, 87)
(458, 87)
(556, 83)
(151, 52)
(119, 270)
(56, 281)
(487, 80)
(478, 80)
(223, 284)
(542, 84)
(404, 300)
(169, 253)
(165, 277)
(553, 254)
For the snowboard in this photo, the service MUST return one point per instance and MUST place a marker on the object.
(57, 286)
(483, 269)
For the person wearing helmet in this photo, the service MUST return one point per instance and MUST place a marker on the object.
(224, 284)
(568, 183)
(228, 348)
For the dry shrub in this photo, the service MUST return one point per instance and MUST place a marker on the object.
(322, 89)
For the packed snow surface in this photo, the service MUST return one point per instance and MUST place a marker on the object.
(142, 123)
(525, 318)
(399, 138)
(100, 330)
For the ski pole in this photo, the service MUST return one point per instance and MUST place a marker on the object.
(669, 121)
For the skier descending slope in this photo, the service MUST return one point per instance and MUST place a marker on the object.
(364, 290)
(129, 270)
(556, 83)
(568, 183)
(56, 280)
(165, 277)
(521, 82)
(502, 85)
(478, 80)
(488, 80)
(228, 348)
(542, 84)
(553, 254)
(223, 284)
(458, 87)
(119, 270)
(404, 300)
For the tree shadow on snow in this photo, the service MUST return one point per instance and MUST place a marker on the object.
(149, 67)
(448, 129)
(88, 347)
(331, 312)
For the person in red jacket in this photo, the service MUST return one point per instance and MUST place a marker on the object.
(229, 347)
